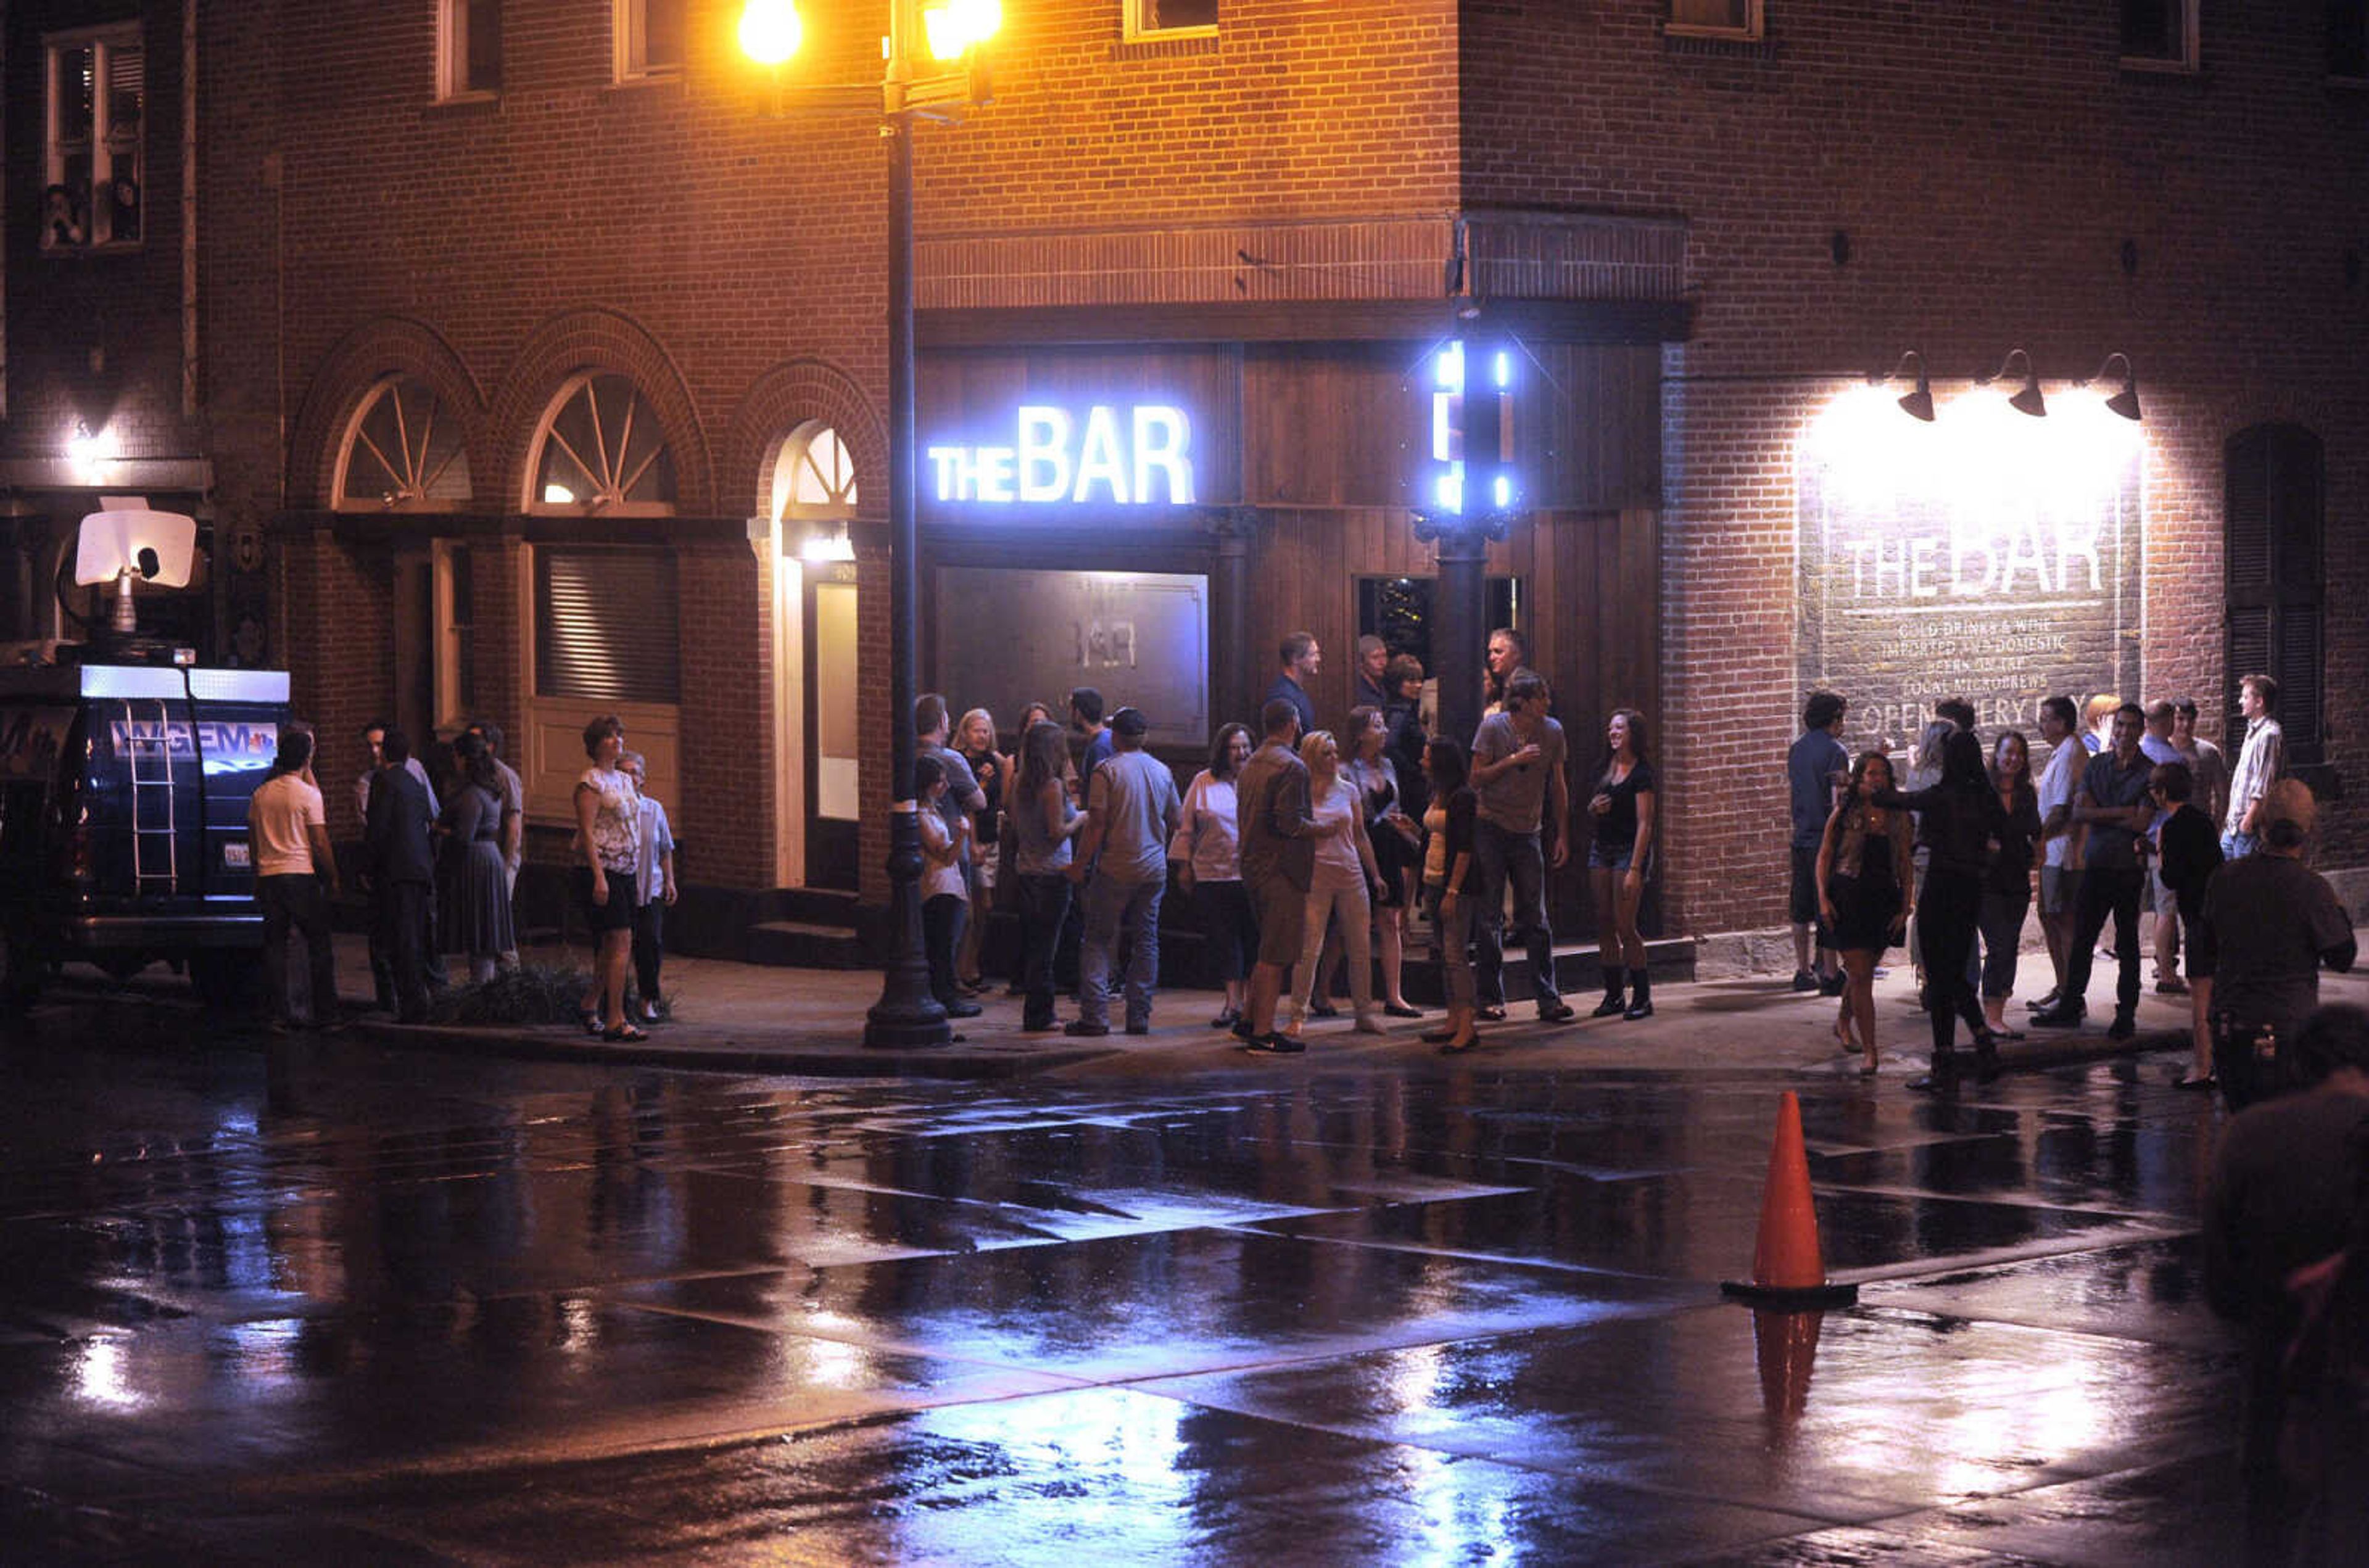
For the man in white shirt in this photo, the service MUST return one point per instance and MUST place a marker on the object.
(2260, 764)
(2060, 869)
(288, 839)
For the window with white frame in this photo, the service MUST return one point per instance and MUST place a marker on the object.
(650, 36)
(405, 451)
(1715, 18)
(600, 451)
(468, 49)
(2159, 35)
(1170, 18)
(96, 88)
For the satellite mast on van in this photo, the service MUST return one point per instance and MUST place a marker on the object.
(126, 543)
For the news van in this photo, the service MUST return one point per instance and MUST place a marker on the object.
(125, 774)
(124, 795)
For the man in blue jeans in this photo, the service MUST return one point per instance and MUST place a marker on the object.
(2114, 806)
(288, 844)
(1519, 779)
(1131, 813)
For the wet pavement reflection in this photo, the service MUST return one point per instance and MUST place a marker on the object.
(335, 1302)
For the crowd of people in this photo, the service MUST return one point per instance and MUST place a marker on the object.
(1306, 852)
(2121, 820)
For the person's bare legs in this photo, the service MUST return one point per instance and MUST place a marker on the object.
(1391, 951)
(1858, 992)
(1267, 985)
(616, 954)
(2200, 1027)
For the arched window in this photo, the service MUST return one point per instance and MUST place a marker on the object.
(814, 492)
(405, 451)
(2273, 517)
(602, 450)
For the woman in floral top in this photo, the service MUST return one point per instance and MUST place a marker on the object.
(608, 842)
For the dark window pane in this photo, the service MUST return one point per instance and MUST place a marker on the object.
(663, 33)
(1183, 12)
(1735, 14)
(76, 87)
(2348, 37)
(2151, 30)
(482, 50)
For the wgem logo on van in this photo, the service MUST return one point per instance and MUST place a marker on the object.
(227, 747)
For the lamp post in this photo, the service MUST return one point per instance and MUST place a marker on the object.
(954, 34)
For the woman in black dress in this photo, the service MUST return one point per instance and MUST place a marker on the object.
(1867, 885)
(1398, 845)
(1620, 862)
(2007, 883)
(1960, 824)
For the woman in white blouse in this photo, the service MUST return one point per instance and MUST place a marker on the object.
(608, 846)
(1343, 884)
(1208, 847)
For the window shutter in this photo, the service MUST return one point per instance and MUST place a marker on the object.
(606, 626)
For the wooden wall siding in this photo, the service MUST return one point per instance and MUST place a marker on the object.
(1589, 580)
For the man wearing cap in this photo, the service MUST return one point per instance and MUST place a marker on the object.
(1131, 813)
(2268, 924)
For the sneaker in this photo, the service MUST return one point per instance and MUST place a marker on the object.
(1556, 1012)
(1832, 985)
(2064, 1015)
(1138, 1028)
(1085, 1028)
(958, 1008)
(2122, 1027)
(2172, 988)
(1614, 1005)
(1241, 1026)
(1804, 981)
(1276, 1046)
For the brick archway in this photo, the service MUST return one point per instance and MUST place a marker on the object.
(365, 357)
(786, 397)
(595, 340)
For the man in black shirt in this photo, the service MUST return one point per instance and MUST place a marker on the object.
(2114, 806)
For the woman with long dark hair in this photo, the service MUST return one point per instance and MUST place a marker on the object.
(1959, 822)
(1044, 819)
(2007, 882)
(1620, 862)
(1447, 878)
(1396, 842)
(1207, 849)
(1867, 885)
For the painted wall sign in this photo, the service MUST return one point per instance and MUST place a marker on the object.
(1136, 456)
(1987, 556)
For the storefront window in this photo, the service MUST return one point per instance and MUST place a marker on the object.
(1399, 611)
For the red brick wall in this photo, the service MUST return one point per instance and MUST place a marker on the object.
(1987, 163)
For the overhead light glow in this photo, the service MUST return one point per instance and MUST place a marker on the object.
(1505, 491)
(770, 30)
(559, 496)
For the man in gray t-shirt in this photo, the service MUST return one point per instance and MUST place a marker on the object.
(1131, 813)
(1524, 801)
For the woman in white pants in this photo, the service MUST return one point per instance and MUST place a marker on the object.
(1342, 887)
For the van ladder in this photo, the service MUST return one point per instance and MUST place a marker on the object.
(152, 796)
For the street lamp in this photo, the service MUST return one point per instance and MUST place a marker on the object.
(1468, 501)
(953, 34)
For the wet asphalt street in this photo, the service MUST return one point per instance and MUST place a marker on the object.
(330, 1303)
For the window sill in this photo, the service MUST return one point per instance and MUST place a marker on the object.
(463, 105)
(669, 78)
(2139, 66)
(1727, 35)
(1175, 44)
(87, 252)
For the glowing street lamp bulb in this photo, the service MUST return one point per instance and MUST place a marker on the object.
(1505, 491)
(770, 30)
(1448, 368)
(977, 20)
(1505, 369)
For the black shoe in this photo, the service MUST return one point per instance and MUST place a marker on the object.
(2064, 1015)
(2043, 1004)
(1039, 1026)
(1490, 1012)
(1640, 1008)
(1225, 1020)
(1085, 1028)
(1438, 1036)
(1804, 981)
(2122, 1027)
(1556, 1012)
(1323, 1010)
(957, 1008)
(1277, 1045)
(1614, 1005)
(1393, 1010)
(1138, 1028)
(1831, 986)
(1241, 1026)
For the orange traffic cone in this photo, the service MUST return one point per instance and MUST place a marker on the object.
(1786, 1268)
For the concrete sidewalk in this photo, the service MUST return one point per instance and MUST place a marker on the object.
(748, 1018)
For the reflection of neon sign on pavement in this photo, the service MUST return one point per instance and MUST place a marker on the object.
(1142, 459)
(227, 747)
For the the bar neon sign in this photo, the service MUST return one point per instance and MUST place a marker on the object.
(1137, 456)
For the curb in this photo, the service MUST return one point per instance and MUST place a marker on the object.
(797, 1058)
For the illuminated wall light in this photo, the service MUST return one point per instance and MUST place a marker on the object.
(1505, 369)
(89, 452)
(770, 30)
(2125, 403)
(1505, 491)
(828, 547)
(1449, 488)
(2027, 399)
(559, 496)
(1448, 368)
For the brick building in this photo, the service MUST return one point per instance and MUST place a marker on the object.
(527, 360)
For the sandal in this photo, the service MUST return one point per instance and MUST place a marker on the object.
(625, 1033)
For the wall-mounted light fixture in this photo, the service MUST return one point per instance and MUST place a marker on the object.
(1917, 403)
(2125, 402)
(2028, 399)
